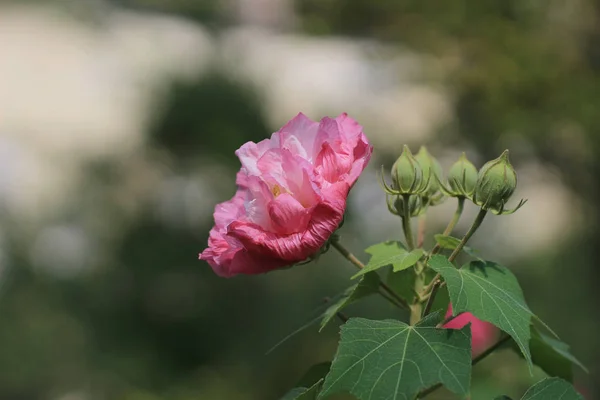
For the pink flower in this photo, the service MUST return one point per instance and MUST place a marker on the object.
(291, 195)
(483, 334)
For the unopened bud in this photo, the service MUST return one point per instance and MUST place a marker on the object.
(397, 205)
(431, 169)
(462, 177)
(407, 175)
(496, 182)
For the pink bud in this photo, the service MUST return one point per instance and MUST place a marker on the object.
(483, 334)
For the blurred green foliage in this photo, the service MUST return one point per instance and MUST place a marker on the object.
(154, 323)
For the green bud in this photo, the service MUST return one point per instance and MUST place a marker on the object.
(396, 205)
(407, 175)
(462, 178)
(432, 170)
(496, 182)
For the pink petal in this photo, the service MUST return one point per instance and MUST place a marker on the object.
(257, 197)
(239, 261)
(362, 155)
(330, 165)
(280, 165)
(241, 179)
(298, 136)
(290, 173)
(344, 150)
(288, 215)
(250, 152)
(349, 127)
(294, 247)
(270, 167)
(328, 132)
(229, 210)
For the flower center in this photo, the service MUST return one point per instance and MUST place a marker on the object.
(276, 190)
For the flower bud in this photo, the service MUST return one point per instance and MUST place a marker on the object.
(496, 182)
(407, 175)
(396, 205)
(462, 178)
(432, 170)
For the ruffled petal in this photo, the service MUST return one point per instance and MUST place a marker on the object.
(362, 156)
(287, 173)
(237, 260)
(328, 132)
(298, 136)
(257, 197)
(279, 166)
(229, 210)
(344, 150)
(251, 152)
(288, 215)
(332, 166)
(349, 128)
(294, 247)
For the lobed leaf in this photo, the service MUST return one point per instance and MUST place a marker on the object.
(549, 389)
(552, 389)
(392, 360)
(402, 283)
(390, 253)
(552, 356)
(491, 293)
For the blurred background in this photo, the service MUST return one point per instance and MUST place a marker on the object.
(118, 125)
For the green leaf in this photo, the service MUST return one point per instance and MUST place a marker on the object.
(450, 243)
(446, 242)
(441, 301)
(410, 259)
(549, 389)
(390, 253)
(491, 293)
(302, 393)
(552, 389)
(390, 359)
(402, 283)
(552, 355)
(367, 285)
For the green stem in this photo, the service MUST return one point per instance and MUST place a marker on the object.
(436, 285)
(459, 210)
(478, 220)
(416, 308)
(406, 223)
(457, 214)
(343, 317)
(421, 230)
(476, 224)
(397, 300)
